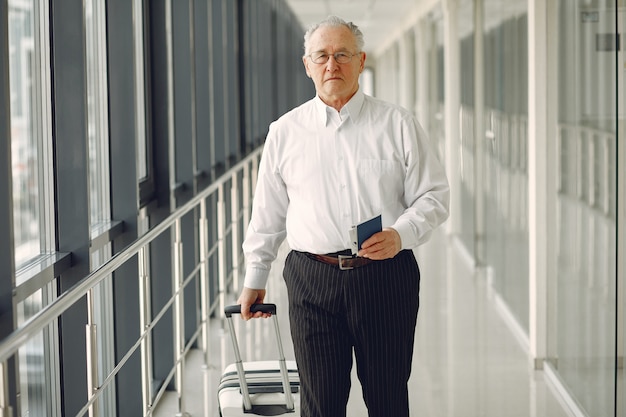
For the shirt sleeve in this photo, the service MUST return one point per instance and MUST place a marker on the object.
(426, 188)
(266, 230)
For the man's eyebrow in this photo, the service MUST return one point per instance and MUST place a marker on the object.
(325, 52)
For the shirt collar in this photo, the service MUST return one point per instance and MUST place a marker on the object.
(352, 108)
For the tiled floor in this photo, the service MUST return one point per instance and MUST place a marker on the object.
(467, 362)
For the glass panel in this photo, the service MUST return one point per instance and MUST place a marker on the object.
(31, 364)
(32, 190)
(37, 363)
(218, 87)
(434, 113)
(97, 111)
(29, 118)
(140, 101)
(506, 180)
(99, 185)
(582, 347)
(103, 318)
(466, 145)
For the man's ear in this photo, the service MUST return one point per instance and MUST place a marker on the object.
(306, 66)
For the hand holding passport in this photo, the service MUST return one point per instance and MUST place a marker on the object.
(362, 231)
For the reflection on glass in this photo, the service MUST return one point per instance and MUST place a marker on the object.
(102, 317)
(582, 349)
(98, 134)
(97, 111)
(24, 135)
(505, 142)
(36, 369)
(467, 116)
(140, 106)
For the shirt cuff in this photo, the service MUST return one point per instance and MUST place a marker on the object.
(256, 278)
(407, 234)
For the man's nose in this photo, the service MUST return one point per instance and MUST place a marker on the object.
(332, 63)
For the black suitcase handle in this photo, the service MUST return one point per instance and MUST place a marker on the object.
(263, 308)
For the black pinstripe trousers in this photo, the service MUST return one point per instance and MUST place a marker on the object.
(371, 309)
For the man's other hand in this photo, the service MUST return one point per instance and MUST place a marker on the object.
(248, 297)
(382, 245)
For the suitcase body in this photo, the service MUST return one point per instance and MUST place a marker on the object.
(264, 387)
(258, 388)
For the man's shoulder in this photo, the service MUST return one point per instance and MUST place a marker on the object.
(298, 117)
(378, 105)
(304, 108)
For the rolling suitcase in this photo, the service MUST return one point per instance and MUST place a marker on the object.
(265, 388)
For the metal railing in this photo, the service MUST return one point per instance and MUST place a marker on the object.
(240, 181)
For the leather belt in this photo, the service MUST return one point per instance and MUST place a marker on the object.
(344, 262)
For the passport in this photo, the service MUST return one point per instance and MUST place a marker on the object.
(362, 231)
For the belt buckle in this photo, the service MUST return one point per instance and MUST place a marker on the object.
(340, 259)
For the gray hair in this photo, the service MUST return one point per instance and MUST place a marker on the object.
(334, 21)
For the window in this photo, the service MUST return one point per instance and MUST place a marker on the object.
(143, 167)
(97, 112)
(99, 193)
(30, 129)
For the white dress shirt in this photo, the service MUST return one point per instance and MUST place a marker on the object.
(324, 171)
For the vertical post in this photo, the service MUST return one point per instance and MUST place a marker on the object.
(5, 407)
(7, 247)
(171, 129)
(620, 212)
(179, 316)
(92, 355)
(69, 208)
(203, 234)
(255, 172)
(221, 245)
(144, 323)
(452, 81)
(235, 210)
(479, 133)
(541, 186)
(246, 203)
(423, 41)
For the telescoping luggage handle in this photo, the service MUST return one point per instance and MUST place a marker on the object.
(265, 308)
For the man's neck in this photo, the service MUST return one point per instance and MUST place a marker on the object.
(337, 102)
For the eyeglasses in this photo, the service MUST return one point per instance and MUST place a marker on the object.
(323, 57)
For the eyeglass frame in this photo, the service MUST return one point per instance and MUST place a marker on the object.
(344, 53)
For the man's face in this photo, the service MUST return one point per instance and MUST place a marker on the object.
(334, 82)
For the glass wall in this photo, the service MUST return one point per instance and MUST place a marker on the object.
(435, 120)
(30, 117)
(99, 191)
(97, 112)
(582, 291)
(31, 157)
(467, 128)
(582, 350)
(86, 161)
(505, 66)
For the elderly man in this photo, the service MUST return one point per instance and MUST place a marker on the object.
(329, 164)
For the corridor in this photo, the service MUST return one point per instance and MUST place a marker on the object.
(467, 362)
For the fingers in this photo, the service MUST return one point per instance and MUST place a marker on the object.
(248, 297)
(382, 245)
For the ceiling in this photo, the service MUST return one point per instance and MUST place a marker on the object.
(378, 19)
